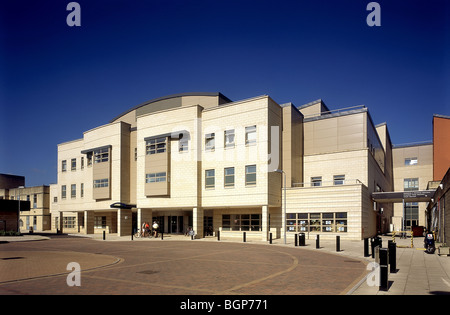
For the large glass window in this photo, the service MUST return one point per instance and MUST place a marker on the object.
(317, 222)
(411, 184)
(241, 222)
(99, 222)
(156, 145)
(155, 177)
(101, 155)
(69, 222)
(411, 214)
(98, 183)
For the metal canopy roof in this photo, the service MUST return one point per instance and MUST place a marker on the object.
(400, 196)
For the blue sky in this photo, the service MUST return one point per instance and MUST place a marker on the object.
(58, 81)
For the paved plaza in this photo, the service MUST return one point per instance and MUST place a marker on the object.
(180, 266)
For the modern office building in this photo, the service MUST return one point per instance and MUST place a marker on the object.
(202, 161)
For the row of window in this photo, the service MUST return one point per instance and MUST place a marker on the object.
(228, 174)
(317, 222)
(98, 183)
(337, 180)
(100, 156)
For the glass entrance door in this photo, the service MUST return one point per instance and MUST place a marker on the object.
(175, 224)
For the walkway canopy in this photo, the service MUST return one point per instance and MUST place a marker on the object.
(403, 196)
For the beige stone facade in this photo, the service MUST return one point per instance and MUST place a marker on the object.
(200, 161)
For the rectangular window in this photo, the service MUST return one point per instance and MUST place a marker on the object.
(339, 179)
(229, 177)
(73, 191)
(250, 175)
(63, 192)
(411, 184)
(210, 142)
(82, 162)
(410, 161)
(155, 177)
(34, 201)
(82, 190)
(229, 138)
(73, 164)
(250, 135)
(100, 222)
(157, 145)
(241, 222)
(98, 183)
(63, 166)
(101, 155)
(316, 181)
(69, 222)
(210, 178)
(335, 222)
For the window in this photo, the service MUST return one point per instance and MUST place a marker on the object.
(154, 146)
(229, 177)
(411, 184)
(82, 190)
(89, 159)
(229, 138)
(250, 175)
(55, 199)
(100, 222)
(241, 222)
(410, 161)
(250, 135)
(317, 222)
(210, 142)
(73, 164)
(99, 183)
(63, 192)
(63, 166)
(69, 222)
(82, 162)
(155, 177)
(101, 155)
(73, 190)
(339, 179)
(210, 178)
(411, 214)
(34, 201)
(316, 181)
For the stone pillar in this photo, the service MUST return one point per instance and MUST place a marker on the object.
(88, 222)
(265, 223)
(197, 221)
(124, 222)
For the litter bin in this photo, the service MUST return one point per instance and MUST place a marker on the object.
(301, 239)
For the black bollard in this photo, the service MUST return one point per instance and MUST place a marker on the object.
(338, 243)
(270, 238)
(245, 237)
(296, 240)
(317, 241)
(302, 241)
(392, 246)
(162, 236)
(366, 247)
(218, 235)
(104, 235)
(384, 272)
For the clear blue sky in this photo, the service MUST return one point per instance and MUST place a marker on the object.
(59, 81)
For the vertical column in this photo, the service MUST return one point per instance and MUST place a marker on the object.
(124, 222)
(197, 219)
(144, 215)
(61, 222)
(265, 223)
(88, 222)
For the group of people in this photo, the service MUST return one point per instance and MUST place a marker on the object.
(147, 230)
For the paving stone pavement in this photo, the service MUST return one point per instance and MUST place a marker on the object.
(180, 266)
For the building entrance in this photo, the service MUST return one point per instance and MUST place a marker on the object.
(175, 224)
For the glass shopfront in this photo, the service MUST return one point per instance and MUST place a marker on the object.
(333, 222)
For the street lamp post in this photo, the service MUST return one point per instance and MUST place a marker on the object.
(18, 212)
(284, 211)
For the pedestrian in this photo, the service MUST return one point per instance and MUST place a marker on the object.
(155, 227)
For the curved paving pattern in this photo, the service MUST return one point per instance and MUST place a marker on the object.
(175, 267)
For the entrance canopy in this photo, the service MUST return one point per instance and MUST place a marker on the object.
(400, 196)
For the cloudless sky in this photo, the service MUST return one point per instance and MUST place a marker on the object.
(58, 81)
